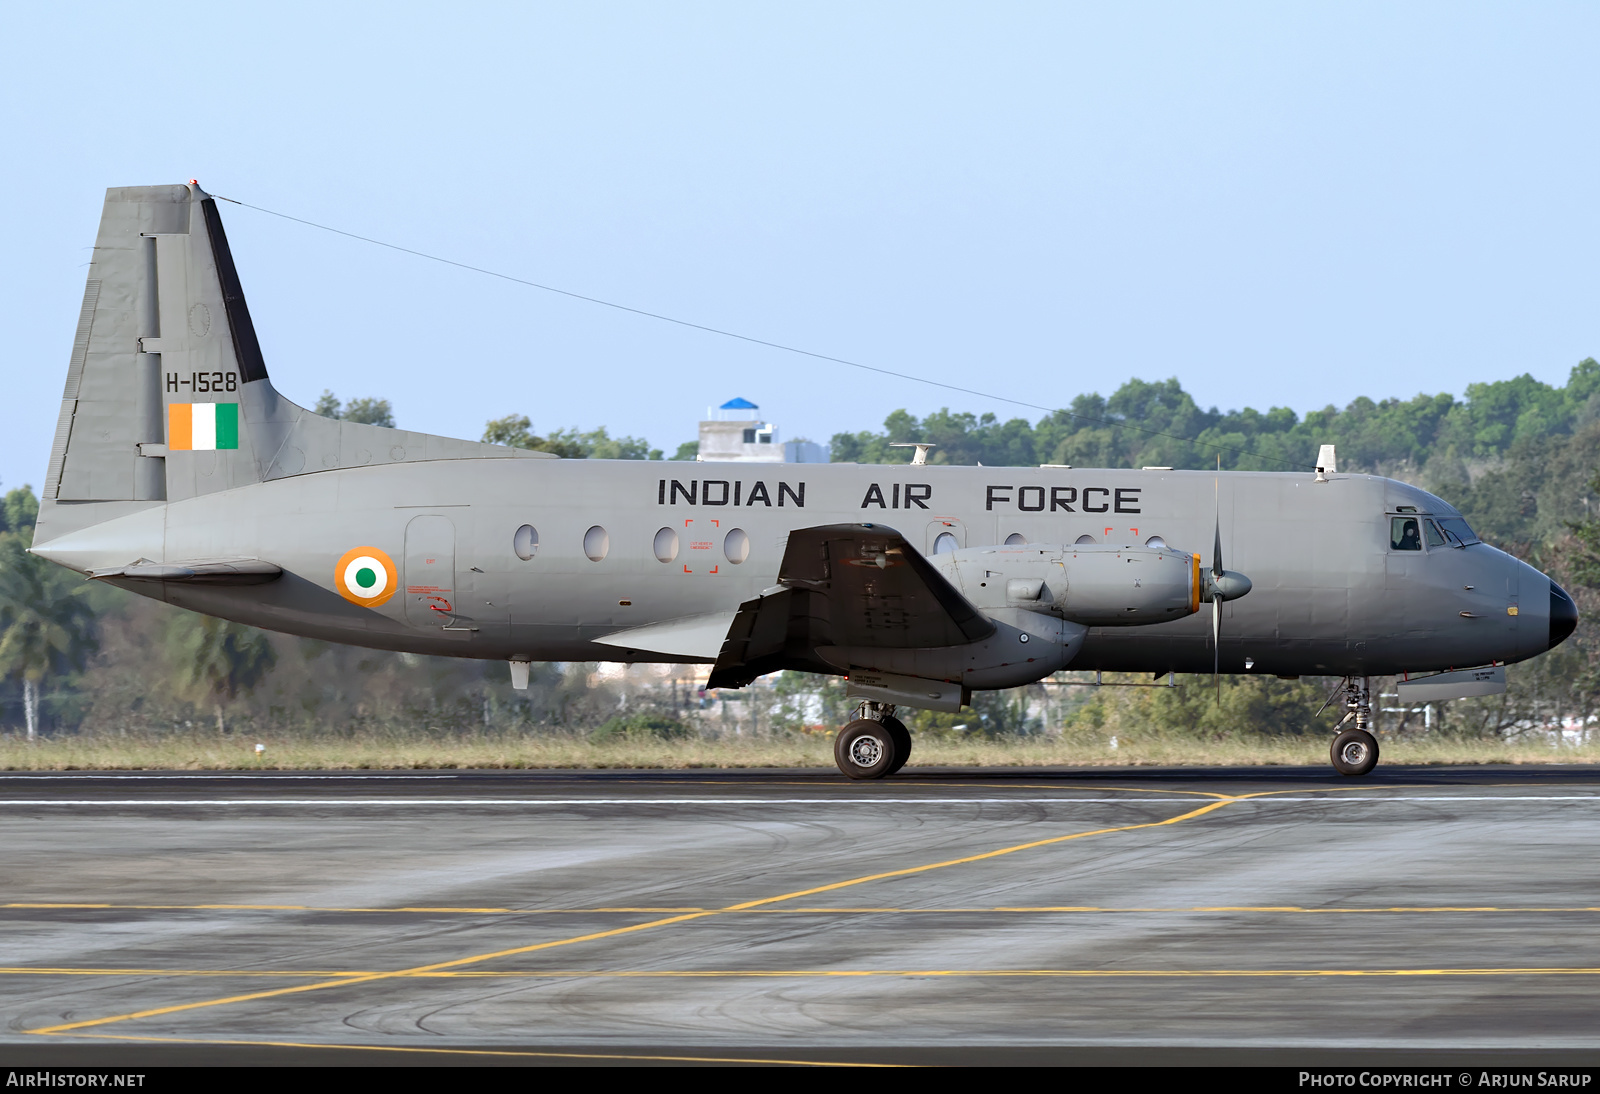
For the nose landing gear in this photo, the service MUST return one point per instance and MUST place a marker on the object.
(874, 745)
(1355, 750)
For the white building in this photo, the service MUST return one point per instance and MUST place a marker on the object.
(735, 432)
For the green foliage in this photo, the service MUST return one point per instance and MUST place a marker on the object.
(47, 624)
(365, 411)
(1249, 706)
(221, 659)
(369, 412)
(20, 511)
(1584, 554)
(516, 430)
(1159, 424)
(642, 726)
(688, 450)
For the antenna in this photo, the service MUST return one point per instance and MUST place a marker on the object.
(1327, 463)
(922, 450)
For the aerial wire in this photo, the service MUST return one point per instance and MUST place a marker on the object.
(750, 338)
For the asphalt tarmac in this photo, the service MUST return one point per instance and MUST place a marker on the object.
(1270, 915)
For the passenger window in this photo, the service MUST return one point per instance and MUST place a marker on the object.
(1431, 530)
(525, 542)
(666, 545)
(944, 544)
(1016, 539)
(1403, 534)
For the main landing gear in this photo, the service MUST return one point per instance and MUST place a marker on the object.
(874, 745)
(1355, 750)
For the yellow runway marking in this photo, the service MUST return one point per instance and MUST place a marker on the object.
(1043, 909)
(597, 935)
(1090, 974)
(25, 970)
(315, 908)
(769, 974)
(513, 1053)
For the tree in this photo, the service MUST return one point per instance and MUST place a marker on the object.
(516, 431)
(364, 411)
(221, 659)
(46, 622)
(369, 412)
(20, 510)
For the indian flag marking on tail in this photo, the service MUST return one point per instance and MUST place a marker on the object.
(202, 427)
(366, 576)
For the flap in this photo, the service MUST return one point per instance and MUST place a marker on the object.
(879, 590)
(845, 585)
(699, 637)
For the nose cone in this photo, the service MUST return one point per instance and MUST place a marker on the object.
(1563, 615)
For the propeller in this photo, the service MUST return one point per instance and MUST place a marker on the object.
(1221, 584)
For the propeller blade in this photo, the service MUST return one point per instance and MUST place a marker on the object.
(1216, 646)
(1216, 546)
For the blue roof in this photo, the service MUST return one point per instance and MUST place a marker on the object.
(738, 404)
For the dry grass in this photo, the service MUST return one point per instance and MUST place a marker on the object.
(490, 751)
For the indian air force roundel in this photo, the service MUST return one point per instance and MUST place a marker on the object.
(366, 576)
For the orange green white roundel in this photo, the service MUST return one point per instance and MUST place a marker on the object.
(366, 576)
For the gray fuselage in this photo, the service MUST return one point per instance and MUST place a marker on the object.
(1330, 596)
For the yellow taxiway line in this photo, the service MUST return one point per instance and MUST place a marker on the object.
(490, 1052)
(1041, 909)
(361, 976)
(593, 936)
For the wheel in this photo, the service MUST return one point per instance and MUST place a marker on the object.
(865, 749)
(902, 742)
(1355, 752)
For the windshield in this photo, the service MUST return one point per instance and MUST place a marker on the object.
(1457, 532)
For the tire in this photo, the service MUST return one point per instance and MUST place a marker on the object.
(865, 749)
(1354, 752)
(902, 742)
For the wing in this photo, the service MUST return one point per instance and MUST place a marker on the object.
(845, 585)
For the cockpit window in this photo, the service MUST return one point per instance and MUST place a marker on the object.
(1404, 534)
(1430, 531)
(1457, 532)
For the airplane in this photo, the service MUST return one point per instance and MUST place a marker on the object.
(180, 473)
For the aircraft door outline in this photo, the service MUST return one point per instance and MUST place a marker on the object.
(429, 578)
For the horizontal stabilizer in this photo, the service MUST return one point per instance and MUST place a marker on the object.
(229, 571)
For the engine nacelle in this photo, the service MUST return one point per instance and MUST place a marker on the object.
(1097, 585)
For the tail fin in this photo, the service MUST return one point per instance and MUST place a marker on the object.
(167, 395)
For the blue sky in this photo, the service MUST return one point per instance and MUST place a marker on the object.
(1280, 204)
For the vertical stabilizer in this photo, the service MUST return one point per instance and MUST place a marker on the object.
(167, 396)
(164, 336)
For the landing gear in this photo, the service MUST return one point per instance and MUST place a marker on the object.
(902, 741)
(1355, 750)
(873, 746)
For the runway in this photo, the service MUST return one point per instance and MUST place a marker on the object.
(1018, 916)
